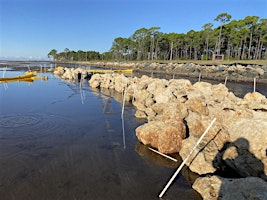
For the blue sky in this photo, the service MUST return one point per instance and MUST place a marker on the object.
(31, 28)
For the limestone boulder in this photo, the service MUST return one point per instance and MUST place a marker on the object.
(165, 136)
(204, 88)
(256, 101)
(156, 84)
(141, 97)
(163, 95)
(215, 187)
(106, 81)
(143, 82)
(202, 159)
(219, 92)
(120, 82)
(197, 105)
(173, 111)
(95, 81)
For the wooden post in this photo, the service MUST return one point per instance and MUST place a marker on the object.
(185, 160)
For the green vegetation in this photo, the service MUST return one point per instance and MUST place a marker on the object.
(68, 55)
(244, 39)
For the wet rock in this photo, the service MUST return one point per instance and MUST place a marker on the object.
(215, 187)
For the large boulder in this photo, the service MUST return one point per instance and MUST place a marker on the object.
(95, 81)
(165, 136)
(256, 101)
(215, 187)
(202, 159)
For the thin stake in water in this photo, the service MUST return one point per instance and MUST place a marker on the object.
(254, 88)
(225, 81)
(162, 154)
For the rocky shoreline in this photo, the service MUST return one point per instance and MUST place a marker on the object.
(234, 72)
(178, 112)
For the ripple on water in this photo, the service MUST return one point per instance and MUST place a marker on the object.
(32, 124)
(16, 121)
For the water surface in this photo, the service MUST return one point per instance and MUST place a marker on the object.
(61, 140)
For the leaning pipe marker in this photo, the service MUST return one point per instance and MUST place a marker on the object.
(185, 160)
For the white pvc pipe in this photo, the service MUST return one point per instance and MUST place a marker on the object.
(123, 132)
(4, 72)
(225, 81)
(162, 154)
(123, 104)
(254, 88)
(185, 160)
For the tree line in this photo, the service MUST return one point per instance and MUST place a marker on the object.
(235, 39)
(68, 55)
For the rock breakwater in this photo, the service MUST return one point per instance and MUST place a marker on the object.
(235, 71)
(177, 114)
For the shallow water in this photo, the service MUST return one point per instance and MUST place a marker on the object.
(61, 140)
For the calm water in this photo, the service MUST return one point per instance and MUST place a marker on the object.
(61, 140)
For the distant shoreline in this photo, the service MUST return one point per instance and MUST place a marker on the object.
(247, 72)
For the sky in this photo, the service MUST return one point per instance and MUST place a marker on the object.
(30, 29)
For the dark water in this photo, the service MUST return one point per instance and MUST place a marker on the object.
(61, 140)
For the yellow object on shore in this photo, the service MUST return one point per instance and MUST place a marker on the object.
(58, 68)
(127, 71)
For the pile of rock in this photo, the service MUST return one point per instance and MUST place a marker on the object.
(70, 74)
(178, 113)
(237, 72)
